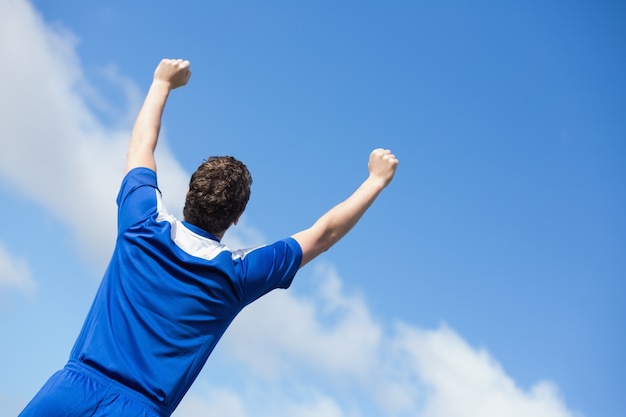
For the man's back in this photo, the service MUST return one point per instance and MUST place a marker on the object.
(170, 292)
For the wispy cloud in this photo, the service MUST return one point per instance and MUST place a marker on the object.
(15, 273)
(212, 402)
(465, 381)
(324, 354)
(55, 150)
(346, 345)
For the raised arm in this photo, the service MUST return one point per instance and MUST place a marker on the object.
(338, 221)
(169, 74)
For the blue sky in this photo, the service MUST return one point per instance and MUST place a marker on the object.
(488, 279)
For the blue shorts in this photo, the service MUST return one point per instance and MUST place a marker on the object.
(79, 390)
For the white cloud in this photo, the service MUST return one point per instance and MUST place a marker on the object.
(464, 381)
(15, 273)
(324, 353)
(212, 402)
(320, 406)
(55, 150)
(346, 346)
(217, 402)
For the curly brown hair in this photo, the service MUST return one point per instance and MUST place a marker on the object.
(219, 191)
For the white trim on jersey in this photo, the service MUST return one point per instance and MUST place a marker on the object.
(191, 242)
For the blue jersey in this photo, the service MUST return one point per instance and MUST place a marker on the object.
(169, 293)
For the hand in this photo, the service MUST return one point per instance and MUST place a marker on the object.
(382, 165)
(174, 72)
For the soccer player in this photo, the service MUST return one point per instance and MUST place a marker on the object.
(171, 288)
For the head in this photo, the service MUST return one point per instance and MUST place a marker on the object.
(218, 193)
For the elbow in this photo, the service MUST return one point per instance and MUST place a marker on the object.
(329, 239)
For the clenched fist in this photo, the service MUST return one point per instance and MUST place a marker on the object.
(382, 165)
(174, 72)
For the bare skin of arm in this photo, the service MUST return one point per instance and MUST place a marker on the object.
(339, 220)
(169, 75)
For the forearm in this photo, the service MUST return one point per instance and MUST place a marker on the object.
(169, 75)
(147, 126)
(339, 220)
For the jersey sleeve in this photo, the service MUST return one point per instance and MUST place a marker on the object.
(137, 198)
(269, 267)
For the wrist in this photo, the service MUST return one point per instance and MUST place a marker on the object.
(377, 182)
(161, 85)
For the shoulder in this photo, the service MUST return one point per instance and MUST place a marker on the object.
(140, 176)
(138, 197)
(278, 257)
(293, 245)
(134, 179)
(267, 267)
